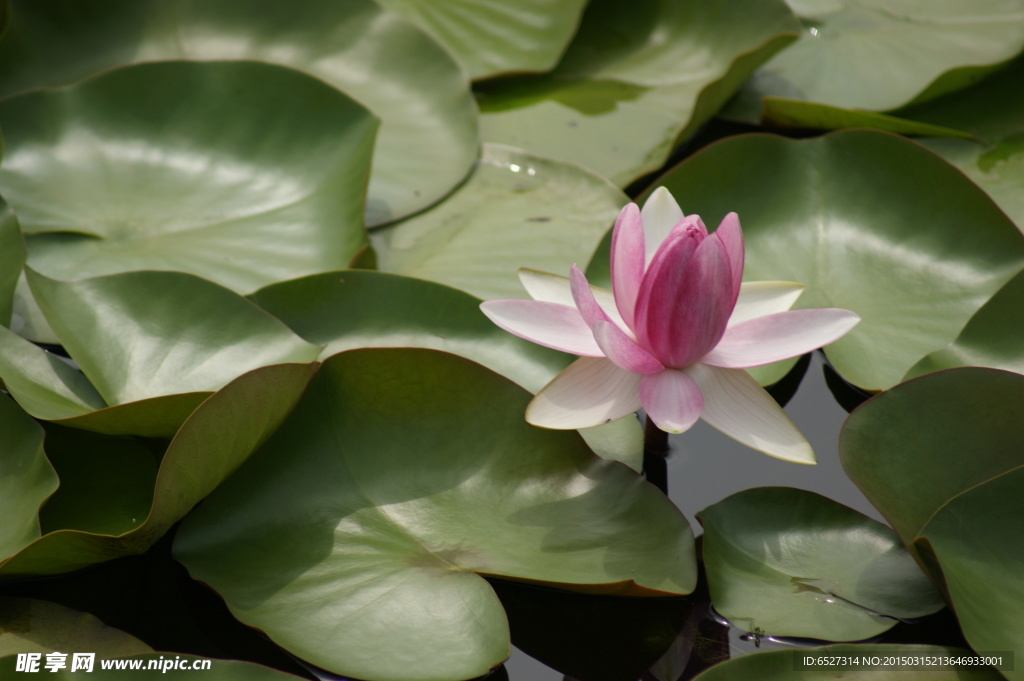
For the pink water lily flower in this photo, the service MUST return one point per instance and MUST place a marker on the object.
(673, 336)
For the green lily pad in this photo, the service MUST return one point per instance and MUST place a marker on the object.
(940, 457)
(29, 625)
(428, 136)
(12, 259)
(974, 539)
(489, 38)
(211, 444)
(782, 665)
(846, 54)
(990, 339)
(787, 562)
(139, 335)
(914, 448)
(364, 309)
(401, 475)
(516, 210)
(867, 221)
(26, 478)
(637, 79)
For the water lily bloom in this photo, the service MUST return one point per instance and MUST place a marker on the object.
(673, 336)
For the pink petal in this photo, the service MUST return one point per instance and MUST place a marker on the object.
(736, 405)
(685, 301)
(660, 214)
(589, 392)
(554, 288)
(760, 298)
(623, 350)
(627, 262)
(731, 236)
(584, 298)
(672, 400)
(779, 336)
(555, 326)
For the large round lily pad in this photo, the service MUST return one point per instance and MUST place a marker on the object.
(867, 221)
(239, 172)
(787, 562)
(638, 78)
(428, 137)
(402, 476)
(849, 50)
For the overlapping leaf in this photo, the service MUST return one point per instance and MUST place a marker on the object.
(26, 478)
(35, 626)
(400, 475)
(516, 210)
(428, 137)
(497, 36)
(12, 259)
(637, 79)
(866, 221)
(940, 457)
(884, 54)
(208, 447)
(240, 172)
(786, 562)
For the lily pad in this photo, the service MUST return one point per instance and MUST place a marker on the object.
(12, 259)
(516, 210)
(140, 335)
(26, 478)
(239, 172)
(428, 136)
(846, 54)
(210, 445)
(990, 339)
(637, 79)
(782, 665)
(366, 309)
(29, 625)
(867, 221)
(787, 562)
(490, 38)
(401, 475)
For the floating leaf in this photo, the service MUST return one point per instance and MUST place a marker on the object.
(848, 47)
(782, 665)
(428, 136)
(401, 474)
(26, 478)
(207, 449)
(637, 79)
(12, 259)
(489, 38)
(516, 210)
(240, 172)
(786, 562)
(867, 221)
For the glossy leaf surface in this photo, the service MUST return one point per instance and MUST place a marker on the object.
(657, 68)
(846, 54)
(400, 475)
(516, 210)
(786, 562)
(26, 478)
(497, 36)
(428, 136)
(856, 217)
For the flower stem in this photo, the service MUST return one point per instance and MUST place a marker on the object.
(655, 450)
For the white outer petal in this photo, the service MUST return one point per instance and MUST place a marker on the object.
(760, 298)
(736, 405)
(590, 391)
(554, 288)
(659, 214)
